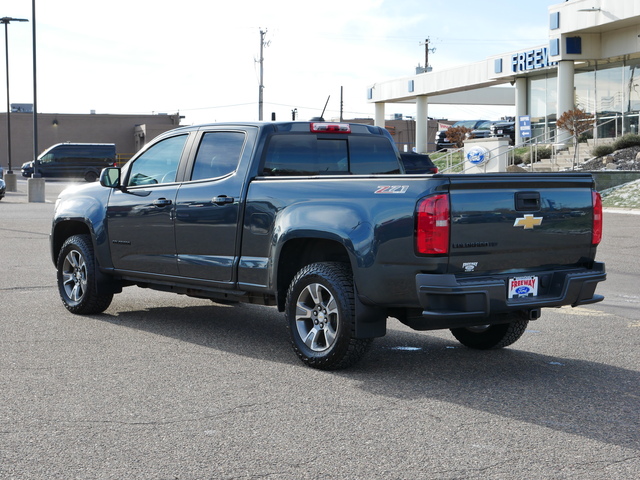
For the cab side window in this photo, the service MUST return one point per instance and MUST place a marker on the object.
(159, 163)
(218, 154)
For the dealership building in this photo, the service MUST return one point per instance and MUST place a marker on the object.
(591, 62)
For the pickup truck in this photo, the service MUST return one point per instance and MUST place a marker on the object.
(320, 220)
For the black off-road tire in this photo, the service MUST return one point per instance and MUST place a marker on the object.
(77, 278)
(493, 336)
(320, 313)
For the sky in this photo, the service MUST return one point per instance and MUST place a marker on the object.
(200, 58)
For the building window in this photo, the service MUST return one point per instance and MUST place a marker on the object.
(554, 22)
(498, 65)
(574, 45)
(554, 47)
(543, 98)
(411, 86)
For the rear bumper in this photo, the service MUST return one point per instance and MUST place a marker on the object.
(449, 301)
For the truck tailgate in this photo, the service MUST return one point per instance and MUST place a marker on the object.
(520, 222)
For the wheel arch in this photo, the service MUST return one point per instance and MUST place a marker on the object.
(295, 253)
(63, 230)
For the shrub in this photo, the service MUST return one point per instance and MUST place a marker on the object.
(583, 138)
(602, 150)
(542, 153)
(627, 141)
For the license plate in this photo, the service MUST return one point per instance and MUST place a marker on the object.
(522, 287)
(500, 132)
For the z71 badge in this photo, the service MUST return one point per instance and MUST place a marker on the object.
(392, 189)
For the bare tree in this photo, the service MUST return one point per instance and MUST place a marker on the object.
(576, 122)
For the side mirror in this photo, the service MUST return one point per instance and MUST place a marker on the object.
(110, 177)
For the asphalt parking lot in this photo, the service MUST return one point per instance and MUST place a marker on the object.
(162, 386)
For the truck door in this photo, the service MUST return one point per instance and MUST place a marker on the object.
(140, 217)
(208, 208)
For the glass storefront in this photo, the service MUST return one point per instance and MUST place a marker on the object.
(631, 88)
(611, 91)
(543, 107)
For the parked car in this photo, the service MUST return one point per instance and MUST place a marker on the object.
(3, 188)
(504, 129)
(1, 172)
(483, 130)
(418, 163)
(80, 160)
(441, 136)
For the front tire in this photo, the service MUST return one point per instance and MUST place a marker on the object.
(493, 336)
(320, 312)
(77, 278)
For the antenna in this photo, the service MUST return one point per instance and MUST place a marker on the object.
(325, 106)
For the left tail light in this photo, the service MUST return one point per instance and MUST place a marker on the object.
(432, 225)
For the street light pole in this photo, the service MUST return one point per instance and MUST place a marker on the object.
(35, 184)
(6, 21)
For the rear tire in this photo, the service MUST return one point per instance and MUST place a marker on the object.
(493, 336)
(77, 278)
(320, 312)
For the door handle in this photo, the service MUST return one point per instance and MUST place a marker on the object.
(162, 202)
(222, 200)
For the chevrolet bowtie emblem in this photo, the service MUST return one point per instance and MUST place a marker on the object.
(528, 222)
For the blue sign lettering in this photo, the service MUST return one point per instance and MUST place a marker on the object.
(531, 60)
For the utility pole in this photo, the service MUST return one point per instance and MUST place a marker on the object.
(261, 61)
(426, 53)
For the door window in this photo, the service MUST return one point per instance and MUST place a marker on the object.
(218, 154)
(159, 163)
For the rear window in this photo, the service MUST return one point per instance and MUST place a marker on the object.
(312, 155)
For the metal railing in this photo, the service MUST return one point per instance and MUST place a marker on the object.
(452, 164)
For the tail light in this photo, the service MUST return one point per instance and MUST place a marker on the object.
(596, 233)
(432, 225)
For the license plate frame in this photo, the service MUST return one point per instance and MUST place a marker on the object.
(523, 287)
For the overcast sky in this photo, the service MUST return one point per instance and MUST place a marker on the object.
(199, 57)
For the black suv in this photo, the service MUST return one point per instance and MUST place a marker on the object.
(418, 163)
(441, 135)
(504, 129)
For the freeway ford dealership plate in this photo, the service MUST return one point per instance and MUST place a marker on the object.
(520, 287)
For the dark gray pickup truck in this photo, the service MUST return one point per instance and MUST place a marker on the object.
(320, 220)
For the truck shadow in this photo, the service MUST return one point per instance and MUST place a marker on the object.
(589, 399)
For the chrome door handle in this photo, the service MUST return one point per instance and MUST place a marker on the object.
(222, 200)
(162, 202)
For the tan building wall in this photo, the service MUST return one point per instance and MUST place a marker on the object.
(403, 132)
(128, 132)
